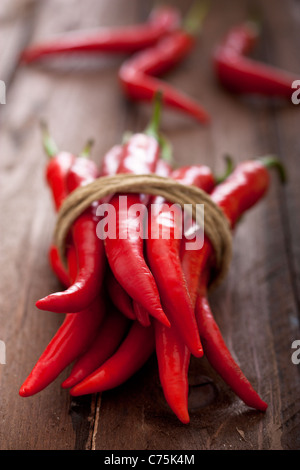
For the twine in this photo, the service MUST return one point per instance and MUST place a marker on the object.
(216, 225)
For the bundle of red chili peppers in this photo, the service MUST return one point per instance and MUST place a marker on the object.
(126, 297)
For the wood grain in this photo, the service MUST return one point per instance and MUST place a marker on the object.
(257, 307)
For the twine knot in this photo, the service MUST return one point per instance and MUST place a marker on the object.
(216, 226)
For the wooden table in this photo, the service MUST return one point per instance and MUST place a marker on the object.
(257, 306)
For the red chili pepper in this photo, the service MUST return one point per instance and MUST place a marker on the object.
(108, 339)
(241, 74)
(163, 254)
(125, 251)
(71, 339)
(218, 354)
(57, 167)
(57, 266)
(136, 73)
(126, 39)
(134, 351)
(89, 249)
(172, 353)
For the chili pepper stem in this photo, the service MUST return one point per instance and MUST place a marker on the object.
(228, 170)
(86, 151)
(49, 144)
(153, 127)
(194, 19)
(270, 161)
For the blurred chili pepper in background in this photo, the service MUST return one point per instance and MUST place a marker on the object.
(241, 74)
(121, 39)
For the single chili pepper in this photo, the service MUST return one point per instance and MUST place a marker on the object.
(217, 353)
(241, 74)
(117, 293)
(57, 168)
(163, 254)
(89, 248)
(126, 39)
(125, 250)
(137, 74)
(172, 353)
(74, 335)
(108, 339)
(132, 354)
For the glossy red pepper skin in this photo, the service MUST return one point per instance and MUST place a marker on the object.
(56, 171)
(137, 80)
(119, 297)
(218, 354)
(74, 336)
(240, 74)
(172, 353)
(89, 249)
(133, 353)
(163, 254)
(126, 39)
(125, 251)
(109, 337)
(57, 266)
(111, 161)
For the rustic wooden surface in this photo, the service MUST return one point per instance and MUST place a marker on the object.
(257, 307)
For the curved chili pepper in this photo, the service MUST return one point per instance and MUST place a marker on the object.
(72, 338)
(218, 354)
(163, 254)
(133, 353)
(125, 251)
(172, 353)
(241, 74)
(126, 39)
(137, 73)
(112, 331)
(89, 248)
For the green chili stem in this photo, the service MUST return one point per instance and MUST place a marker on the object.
(194, 19)
(49, 144)
(228, 170)
(270, 161)
(86, 152)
